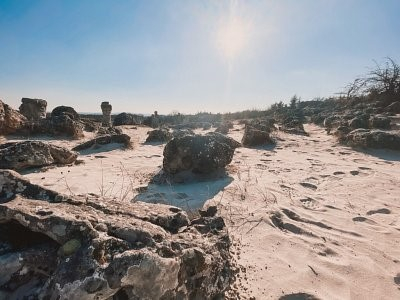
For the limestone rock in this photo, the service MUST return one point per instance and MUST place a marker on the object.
(255, 137)
(103, 140)
(33, 109)
(21, 155)
(140, 251)
(159, 136)
(198, 153)
(379, 122)
(293, 126)
(10, 119)
(374, 139)
(127, 119)
(65, 110)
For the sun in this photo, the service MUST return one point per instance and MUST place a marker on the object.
(232, 37)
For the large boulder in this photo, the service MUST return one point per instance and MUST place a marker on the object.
(198, 153)
(21, 155)
(10, 119)
(127, 119)
(374, 139)
(358, 122)
(293, 126)
(122, 138)
(65, 110)
(379, 122)
(33, 109)
(58, 247)
(255, 137)
(158, 136)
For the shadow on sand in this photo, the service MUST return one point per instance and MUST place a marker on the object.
(185, 190)
(385, 154)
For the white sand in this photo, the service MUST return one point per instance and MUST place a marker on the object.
(339, 238)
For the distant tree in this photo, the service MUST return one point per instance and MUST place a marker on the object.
(382, 80)
(294, 101)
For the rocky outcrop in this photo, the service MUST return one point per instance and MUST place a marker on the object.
(58, 247)
(127, 119)
(123, 139)
(255, 137)
(65, 110)
(21, 155)
(158, 136)
(379, 122)
(360, 121)
(224, 127)
(293, 126)
(33, 109)
(198, 153)
(373, 139)
(10, 119)
(64, 125)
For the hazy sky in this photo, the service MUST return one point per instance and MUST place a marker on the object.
(189, 56)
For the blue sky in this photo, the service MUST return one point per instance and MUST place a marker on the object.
(189, 56)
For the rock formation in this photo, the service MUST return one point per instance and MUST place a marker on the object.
(373, 139)
(21, 155)
(58, 247)
(10, 119)
(198, 153)
(65, 110)
(103, 140)
(159, 136)
(255, 137)
(33, 109)
(106, 110)
(127, 119)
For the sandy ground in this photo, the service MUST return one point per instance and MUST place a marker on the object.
(307, 217)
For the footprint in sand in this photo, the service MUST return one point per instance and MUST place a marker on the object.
(354, 172)
(298, 296)
(364, 168)
(379, 211)
(339, 173)
(396, 279)
(308, 185)
(309, 203)
(363, 219)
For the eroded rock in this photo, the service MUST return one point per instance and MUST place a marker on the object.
(255, 137)
(21, 155)
(10, 119)
(33, 109)
(198, 153)
(122, 138)
(142, 251)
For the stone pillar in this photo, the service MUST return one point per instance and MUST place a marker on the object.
(33, 109)
(106, 109)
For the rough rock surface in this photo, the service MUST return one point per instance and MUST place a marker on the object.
(57, 247)
(108, 130)
(33, 109)
(65, 110)
(10, 119)
(374, 139)
(293, 126)
(159, 136)
(127, 119)
(379, 122)
(198, 153)
(255, 137)
(105, 139)
(21, 155)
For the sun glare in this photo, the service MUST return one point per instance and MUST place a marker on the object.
(232, 37)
